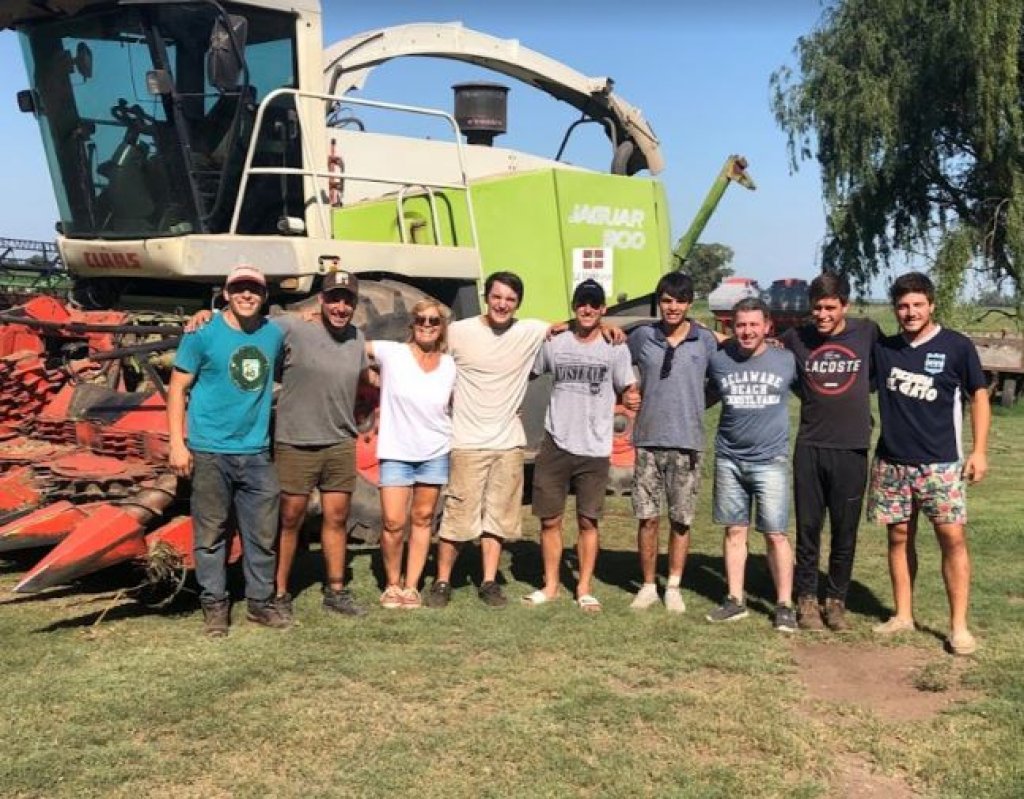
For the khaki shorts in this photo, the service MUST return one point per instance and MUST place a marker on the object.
(484, 495)
(556, 471)
(331, 467)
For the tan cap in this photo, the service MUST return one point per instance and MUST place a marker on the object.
(246, 272)
(341, 280)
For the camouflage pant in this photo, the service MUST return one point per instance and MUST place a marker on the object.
(672, 472)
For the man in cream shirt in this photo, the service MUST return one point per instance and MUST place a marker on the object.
(494, 354)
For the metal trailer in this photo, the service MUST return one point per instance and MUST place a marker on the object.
(1002, 358)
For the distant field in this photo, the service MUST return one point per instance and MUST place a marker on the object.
(105, 699)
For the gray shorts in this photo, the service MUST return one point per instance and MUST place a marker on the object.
(672, 472)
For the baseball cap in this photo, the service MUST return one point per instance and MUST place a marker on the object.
(245, 272)
(341, 279)
(589, 291)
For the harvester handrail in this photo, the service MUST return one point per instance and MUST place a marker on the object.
(248, 169)
(432, 202)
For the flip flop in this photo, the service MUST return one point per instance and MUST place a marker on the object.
(538, 597)
(589, 603)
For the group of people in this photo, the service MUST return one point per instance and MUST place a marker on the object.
(449, 422)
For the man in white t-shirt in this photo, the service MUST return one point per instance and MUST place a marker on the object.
(494, 354)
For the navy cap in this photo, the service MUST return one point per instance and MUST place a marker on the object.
(589, 291)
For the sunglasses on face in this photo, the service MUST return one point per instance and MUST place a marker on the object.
(666, 363)
(427, 321)
(339, 295)
(246, 285)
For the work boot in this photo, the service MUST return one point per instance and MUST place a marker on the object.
(439, 595)
(285, 606)
(835, 615)
(216, 618)
(341, 601)
(266, 614)
(809, 614)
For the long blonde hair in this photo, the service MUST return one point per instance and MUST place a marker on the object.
(429, 303)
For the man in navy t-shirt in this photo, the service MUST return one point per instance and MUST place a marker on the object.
(922, 374)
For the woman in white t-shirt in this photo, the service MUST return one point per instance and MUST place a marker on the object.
(413, 443)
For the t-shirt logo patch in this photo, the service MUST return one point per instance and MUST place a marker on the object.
(934, 362)
(249, 368)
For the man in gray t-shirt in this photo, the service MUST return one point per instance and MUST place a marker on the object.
(753, 382)
(588, 375)
(315, 434)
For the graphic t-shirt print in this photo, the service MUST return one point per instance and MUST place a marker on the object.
(832, 369)
(249, 368)
(751, 389)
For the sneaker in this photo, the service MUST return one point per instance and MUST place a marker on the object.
(439, 595)
(674, 600)
(809, 614)
(341, 601)
(835, 615)
(411, 599)
(784, 618)
(266, 614)
(962, 643)
(391, 598)
(894, 625)
(283, 603)
(491, 594)
(216, 618)
(730, 610)
(645, 597)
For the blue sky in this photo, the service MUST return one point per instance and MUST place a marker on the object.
(698, 70)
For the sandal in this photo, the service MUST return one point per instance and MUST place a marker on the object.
(589, 603)
(538, 597)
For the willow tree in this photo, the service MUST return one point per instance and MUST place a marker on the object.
(912, 108)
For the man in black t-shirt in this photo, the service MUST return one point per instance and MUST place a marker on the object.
(922, 375)
(830, 460)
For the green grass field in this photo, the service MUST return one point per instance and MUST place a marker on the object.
(105, 699)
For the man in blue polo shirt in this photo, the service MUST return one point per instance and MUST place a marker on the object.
(672, 357)
(227, 371)
(923, 374)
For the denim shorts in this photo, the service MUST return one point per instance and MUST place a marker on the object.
(738, 483)
(407, 473)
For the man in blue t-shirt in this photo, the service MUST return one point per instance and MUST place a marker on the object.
(753, 381)
(226, 369)
(922, 375)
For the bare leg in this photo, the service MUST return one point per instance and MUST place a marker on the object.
(587, 547)
(903, 566)
(678, 548)
(447, 552)
(394, 508)
(293, 513)
(647, 546)
(490, 556)
(551, 553)
(956, 572)
(734, 550)
(424, 500)
(780, 562)
(334, 535)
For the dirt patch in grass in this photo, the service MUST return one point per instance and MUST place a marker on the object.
(856, 780)
(894, 683)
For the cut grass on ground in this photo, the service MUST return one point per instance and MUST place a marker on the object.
(522, 702)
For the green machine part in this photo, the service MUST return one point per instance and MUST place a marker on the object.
(553, 227)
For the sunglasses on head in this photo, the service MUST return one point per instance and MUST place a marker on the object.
(427, 321)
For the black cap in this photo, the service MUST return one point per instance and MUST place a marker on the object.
(589, 291)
